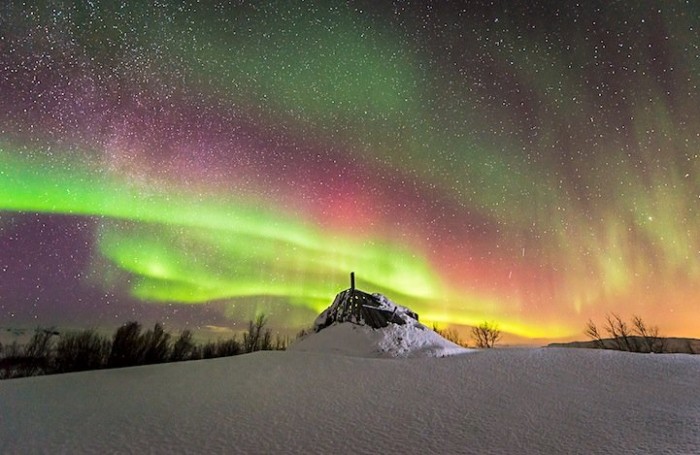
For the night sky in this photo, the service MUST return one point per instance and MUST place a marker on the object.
(530, 163)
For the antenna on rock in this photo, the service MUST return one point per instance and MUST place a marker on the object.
(352, 281)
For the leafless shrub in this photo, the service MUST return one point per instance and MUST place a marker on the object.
(649, 334)
(209, 350)
(637, 337)
(183, 348)
(35, 358)
(11, 362)
(37, 352)
(303, 333)
(486, 334)
(126, 346)
(41, 343)
(257, 339)
(228, 347)
(12, 350)
(221, 348)
(80, 351)
(280, 343)
(155, 345)
(594, 334)
(620, 333)
(450, 335)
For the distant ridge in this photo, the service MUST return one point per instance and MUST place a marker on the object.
(673, 345)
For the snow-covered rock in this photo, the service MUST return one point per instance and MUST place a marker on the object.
(337, 330)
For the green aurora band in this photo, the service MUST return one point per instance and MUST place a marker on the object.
(182, 249)
(566, 153)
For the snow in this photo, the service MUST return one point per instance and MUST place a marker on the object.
(401, 311)
(381, 301)
(500, 401)
(410, 340)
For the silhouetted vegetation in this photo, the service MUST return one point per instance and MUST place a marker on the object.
(222, 348)
(450, 335)
(80, 351)
(257, 339)
(156, 345)
(29, 360)
(126, 346)
(184, 347)
(594, 334)
(303, 333)
(635, 337)
(50, 352)
(486, 335)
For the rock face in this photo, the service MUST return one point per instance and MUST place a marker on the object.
(373, 310)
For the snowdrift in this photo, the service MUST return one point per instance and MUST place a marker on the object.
(496, 401)
(409, 340)
(376, 327)
(311, 400)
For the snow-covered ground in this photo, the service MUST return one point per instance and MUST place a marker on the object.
(409, 340)
(502, 401)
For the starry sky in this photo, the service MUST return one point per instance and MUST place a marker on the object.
(534, 163)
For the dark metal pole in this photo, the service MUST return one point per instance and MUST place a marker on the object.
(352, 281)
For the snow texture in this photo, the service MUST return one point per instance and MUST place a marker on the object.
(401, 311)
(498, 401)
(410, 340)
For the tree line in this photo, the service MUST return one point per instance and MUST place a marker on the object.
(484, 335)
(50, 352)
(623, 336)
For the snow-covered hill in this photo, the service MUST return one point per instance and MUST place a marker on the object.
(409, 340)
(391, 330)
(502, 401)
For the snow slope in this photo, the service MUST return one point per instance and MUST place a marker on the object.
(405, 338)
(409, 340)
(501, 401)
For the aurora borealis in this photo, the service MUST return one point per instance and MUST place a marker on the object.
(534, 164)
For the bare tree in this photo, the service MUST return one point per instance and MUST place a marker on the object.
(486, 334)
(183, 347)
(126, 346)
(229, 347)
(303, 333)
(637, 337)
(37, 352)
(280, 343)
(210, 350)
(257, 339)
(650, 335)
(594, 334)
(219, 348)
(620, 332)
(80, 351)
(449, 335)
(12, 362)
(155, 345)
(12, 351)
